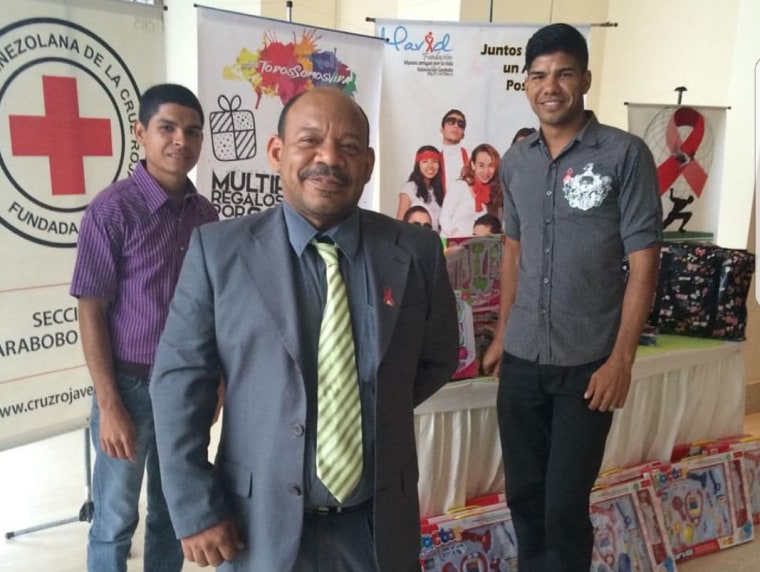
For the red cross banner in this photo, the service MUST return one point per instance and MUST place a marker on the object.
(249, 67)
(686, 141)
(71, 72)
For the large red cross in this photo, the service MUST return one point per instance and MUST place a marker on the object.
(61, 135)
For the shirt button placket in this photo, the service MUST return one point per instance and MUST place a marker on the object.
(546, 260)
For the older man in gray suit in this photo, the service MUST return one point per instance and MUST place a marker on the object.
(252, 305)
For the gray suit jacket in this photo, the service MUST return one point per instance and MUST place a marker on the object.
(233, 311)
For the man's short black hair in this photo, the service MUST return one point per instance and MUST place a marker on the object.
(451, 112)
(286, 109)
(155, 96)
(557, 38)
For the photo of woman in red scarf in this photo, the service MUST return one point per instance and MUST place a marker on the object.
(476, 193)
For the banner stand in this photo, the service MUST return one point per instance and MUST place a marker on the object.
(87, 509)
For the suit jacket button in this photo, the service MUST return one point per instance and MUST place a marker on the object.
(298, 429)
(295, 490)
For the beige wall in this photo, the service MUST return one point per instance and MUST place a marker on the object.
(751, 355)
(322, 13)
(709, 47)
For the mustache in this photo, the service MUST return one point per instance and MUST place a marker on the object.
(324, 170)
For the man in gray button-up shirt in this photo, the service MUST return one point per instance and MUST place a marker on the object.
(579, 197)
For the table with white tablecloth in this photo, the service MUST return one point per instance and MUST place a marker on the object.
(684, 390)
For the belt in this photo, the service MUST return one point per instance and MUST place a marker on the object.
(131, 368)
(333, 510)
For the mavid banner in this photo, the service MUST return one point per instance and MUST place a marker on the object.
(248, 68)
(687, 143)
(456, 90)
(71, 73)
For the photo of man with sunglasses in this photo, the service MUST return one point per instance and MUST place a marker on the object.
(454, 155)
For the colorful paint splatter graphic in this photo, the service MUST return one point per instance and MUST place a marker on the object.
(285, 70)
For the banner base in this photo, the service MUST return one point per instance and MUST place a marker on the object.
(87, 509)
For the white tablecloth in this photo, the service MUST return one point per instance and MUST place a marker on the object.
(676, 397)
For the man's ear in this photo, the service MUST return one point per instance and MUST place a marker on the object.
(139, 130)
(274, 152)
(370, 164)
(586, 81)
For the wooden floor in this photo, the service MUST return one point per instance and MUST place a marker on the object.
(45, 482)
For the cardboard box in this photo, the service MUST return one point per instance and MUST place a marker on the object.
(477, 538)
(629, 530)
(705, 504)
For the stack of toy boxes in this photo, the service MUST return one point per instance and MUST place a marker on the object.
(474, 265)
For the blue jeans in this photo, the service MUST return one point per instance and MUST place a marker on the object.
(116, 493)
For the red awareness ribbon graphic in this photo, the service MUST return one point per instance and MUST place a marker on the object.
(429, 38)
(388, 297)
(681, 160)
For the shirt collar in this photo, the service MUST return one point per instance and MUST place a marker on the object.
(587, 134)
(155, 196)
(345, 234)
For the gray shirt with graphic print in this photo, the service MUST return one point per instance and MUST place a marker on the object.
(576, 217)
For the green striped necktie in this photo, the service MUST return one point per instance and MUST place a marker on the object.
(339, 427)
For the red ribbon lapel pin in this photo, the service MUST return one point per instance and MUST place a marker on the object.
(388, 297)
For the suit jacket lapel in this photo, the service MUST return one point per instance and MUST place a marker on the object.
(267, 256)
(387, 270)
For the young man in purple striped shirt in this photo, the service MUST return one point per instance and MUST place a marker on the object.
(132, 241)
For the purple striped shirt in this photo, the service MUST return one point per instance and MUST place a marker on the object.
(132, 241)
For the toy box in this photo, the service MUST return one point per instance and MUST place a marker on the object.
(468, 362)
(618, 476)
(474, 539)
(751, 451)
(474, 263)
(750, 447)
(704, 504)
(629, 531)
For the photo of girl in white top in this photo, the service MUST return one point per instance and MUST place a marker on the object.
(424, 187)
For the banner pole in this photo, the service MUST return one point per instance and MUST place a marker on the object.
(680, 90)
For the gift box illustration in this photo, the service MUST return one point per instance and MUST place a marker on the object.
(233, 131)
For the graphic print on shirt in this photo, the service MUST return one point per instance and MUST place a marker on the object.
(586, 190)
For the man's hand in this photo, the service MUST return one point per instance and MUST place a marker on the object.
(117, 432)
(213, 546)
(491, 362)
(609, 385)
